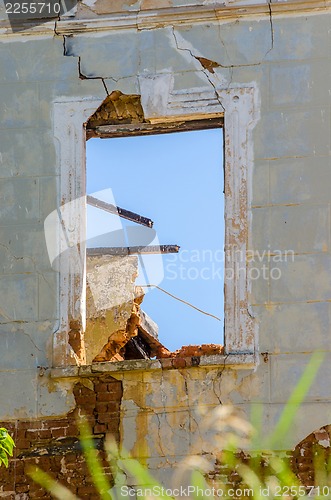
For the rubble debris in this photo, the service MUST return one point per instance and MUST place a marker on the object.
(188, 351)
(75, 339)
(115, 347)
(116, 327)
(110, 302)
(136, 348)
(117, 108)
(148, 328)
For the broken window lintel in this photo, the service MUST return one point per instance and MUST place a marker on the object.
(134, 129)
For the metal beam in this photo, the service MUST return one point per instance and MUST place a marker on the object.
(122, 212)
(153, 249)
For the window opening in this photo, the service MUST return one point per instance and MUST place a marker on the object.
(176, 180)
(121, 115)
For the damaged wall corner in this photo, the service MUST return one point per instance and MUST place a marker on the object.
(117, 108)
(112, 306)
(117, 328)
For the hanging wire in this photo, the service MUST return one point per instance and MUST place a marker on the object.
(181, 300)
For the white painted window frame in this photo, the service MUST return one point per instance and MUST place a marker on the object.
(240, 110)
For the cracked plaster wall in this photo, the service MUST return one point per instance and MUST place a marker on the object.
(34, 74)
(288, 59)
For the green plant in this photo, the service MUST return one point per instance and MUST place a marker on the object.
(6, 446)
(260, 475)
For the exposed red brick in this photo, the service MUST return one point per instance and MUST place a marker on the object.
(23, 443)
(71, 431)
(101, 407)
(56, 433)
(105, 396)
(113, 406)
(304, 455)
(101, 387)
(178, 363)
(99, 428)
(162, 352)
(116, 391)
(22, 488)
(116, 357)
(104, 418)
(166, 363)
(188, 351)
(302, 460)
(57, 436)
(83, 491)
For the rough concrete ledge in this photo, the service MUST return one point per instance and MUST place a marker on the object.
(235, 361)
(185, 15)
(159, 18)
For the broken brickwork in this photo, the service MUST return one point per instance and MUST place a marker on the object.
(309, 458)
(117, 108)
(314, 450)
(52, 444)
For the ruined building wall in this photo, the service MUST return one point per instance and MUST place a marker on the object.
(285, 56)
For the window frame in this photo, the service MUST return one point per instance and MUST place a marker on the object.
(238, 109)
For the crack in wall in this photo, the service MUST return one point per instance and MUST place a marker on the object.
(20, 322)
(190, 409)
(165, 412)
(32, 342)
(85, 77)
(148, 409)
(80, 73)
(220, 374)
(271, 27)
(224, 46)
(163, 401)
(205, 72)
(197, 429)
(231, 67)
(60, 36)
(159, 431)
(22, 257)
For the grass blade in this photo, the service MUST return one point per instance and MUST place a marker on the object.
(91, 456)
(51, 485)
(297, 397)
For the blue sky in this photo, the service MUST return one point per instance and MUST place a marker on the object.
(177, 181)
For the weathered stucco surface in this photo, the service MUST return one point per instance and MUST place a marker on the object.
(108, 313)
(285, 55)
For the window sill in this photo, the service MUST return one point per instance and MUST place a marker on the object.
(235, 361)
